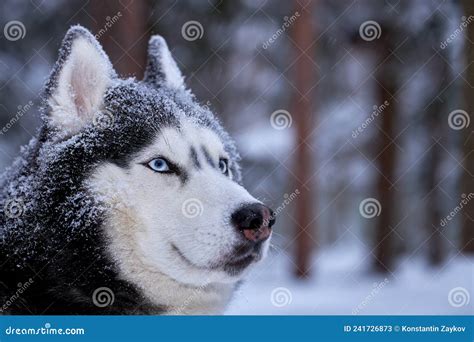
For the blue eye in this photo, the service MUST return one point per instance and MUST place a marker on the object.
(223, 166)
(159, 165)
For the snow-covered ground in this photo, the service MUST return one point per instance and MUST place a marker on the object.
(341, 284)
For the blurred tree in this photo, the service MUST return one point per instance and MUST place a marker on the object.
(386, 88)
(123, 30)
(467, 187)
(434, 114)
(304, 77)
(433, 126)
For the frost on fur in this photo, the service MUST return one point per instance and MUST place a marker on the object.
(58, 229)
(161, 67)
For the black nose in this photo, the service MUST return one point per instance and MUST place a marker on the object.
(254, 220)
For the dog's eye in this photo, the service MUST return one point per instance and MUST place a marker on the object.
(159, 165)
(223, 166)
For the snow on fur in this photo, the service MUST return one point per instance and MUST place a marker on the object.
(58, 215)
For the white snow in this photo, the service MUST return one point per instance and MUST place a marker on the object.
(341, 284)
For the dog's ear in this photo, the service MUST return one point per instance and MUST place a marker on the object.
(76, 87)
(161, 69)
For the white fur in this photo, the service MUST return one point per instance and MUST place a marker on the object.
(81, 85)
(146, 218)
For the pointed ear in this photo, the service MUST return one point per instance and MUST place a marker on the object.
(162, 69)
(76, 87)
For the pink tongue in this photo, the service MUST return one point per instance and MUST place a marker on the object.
(257, 234)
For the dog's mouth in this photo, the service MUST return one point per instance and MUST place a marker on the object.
(241, 258)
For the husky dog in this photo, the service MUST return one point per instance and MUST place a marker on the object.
(129, 201)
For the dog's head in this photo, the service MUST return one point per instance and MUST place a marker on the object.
(164, 168)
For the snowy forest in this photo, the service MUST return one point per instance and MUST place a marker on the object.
(352, 118)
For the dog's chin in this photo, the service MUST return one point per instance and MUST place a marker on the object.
(229, 268)
(243, 258)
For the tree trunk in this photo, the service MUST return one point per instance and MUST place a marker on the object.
(304, 78)
(386, 87)
(434, 120)
(122, 30)
(467, 182)
(386, 161)
(435, 243)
